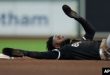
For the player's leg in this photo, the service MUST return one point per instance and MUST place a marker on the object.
(108, 41)
(87, 26)
(105, 48)
(108, 45)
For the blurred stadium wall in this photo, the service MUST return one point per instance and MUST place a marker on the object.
(38, 18)
(98, 13)
(42, 18)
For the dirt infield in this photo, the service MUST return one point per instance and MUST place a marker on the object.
(28, 66)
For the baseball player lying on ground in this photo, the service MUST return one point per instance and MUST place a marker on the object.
(60, 47)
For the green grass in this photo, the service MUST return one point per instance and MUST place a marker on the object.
(26, 44)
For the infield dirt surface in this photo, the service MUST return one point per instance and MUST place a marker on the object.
(29, 66)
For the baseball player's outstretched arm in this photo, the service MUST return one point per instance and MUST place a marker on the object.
(33, 54)
(42, 55)
(87, 27)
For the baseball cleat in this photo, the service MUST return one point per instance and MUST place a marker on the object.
(69, 12)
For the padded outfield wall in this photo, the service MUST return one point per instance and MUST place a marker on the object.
(33, 18)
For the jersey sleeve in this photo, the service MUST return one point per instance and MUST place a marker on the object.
(54, 54)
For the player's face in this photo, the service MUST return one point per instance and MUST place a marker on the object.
(57, 40)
